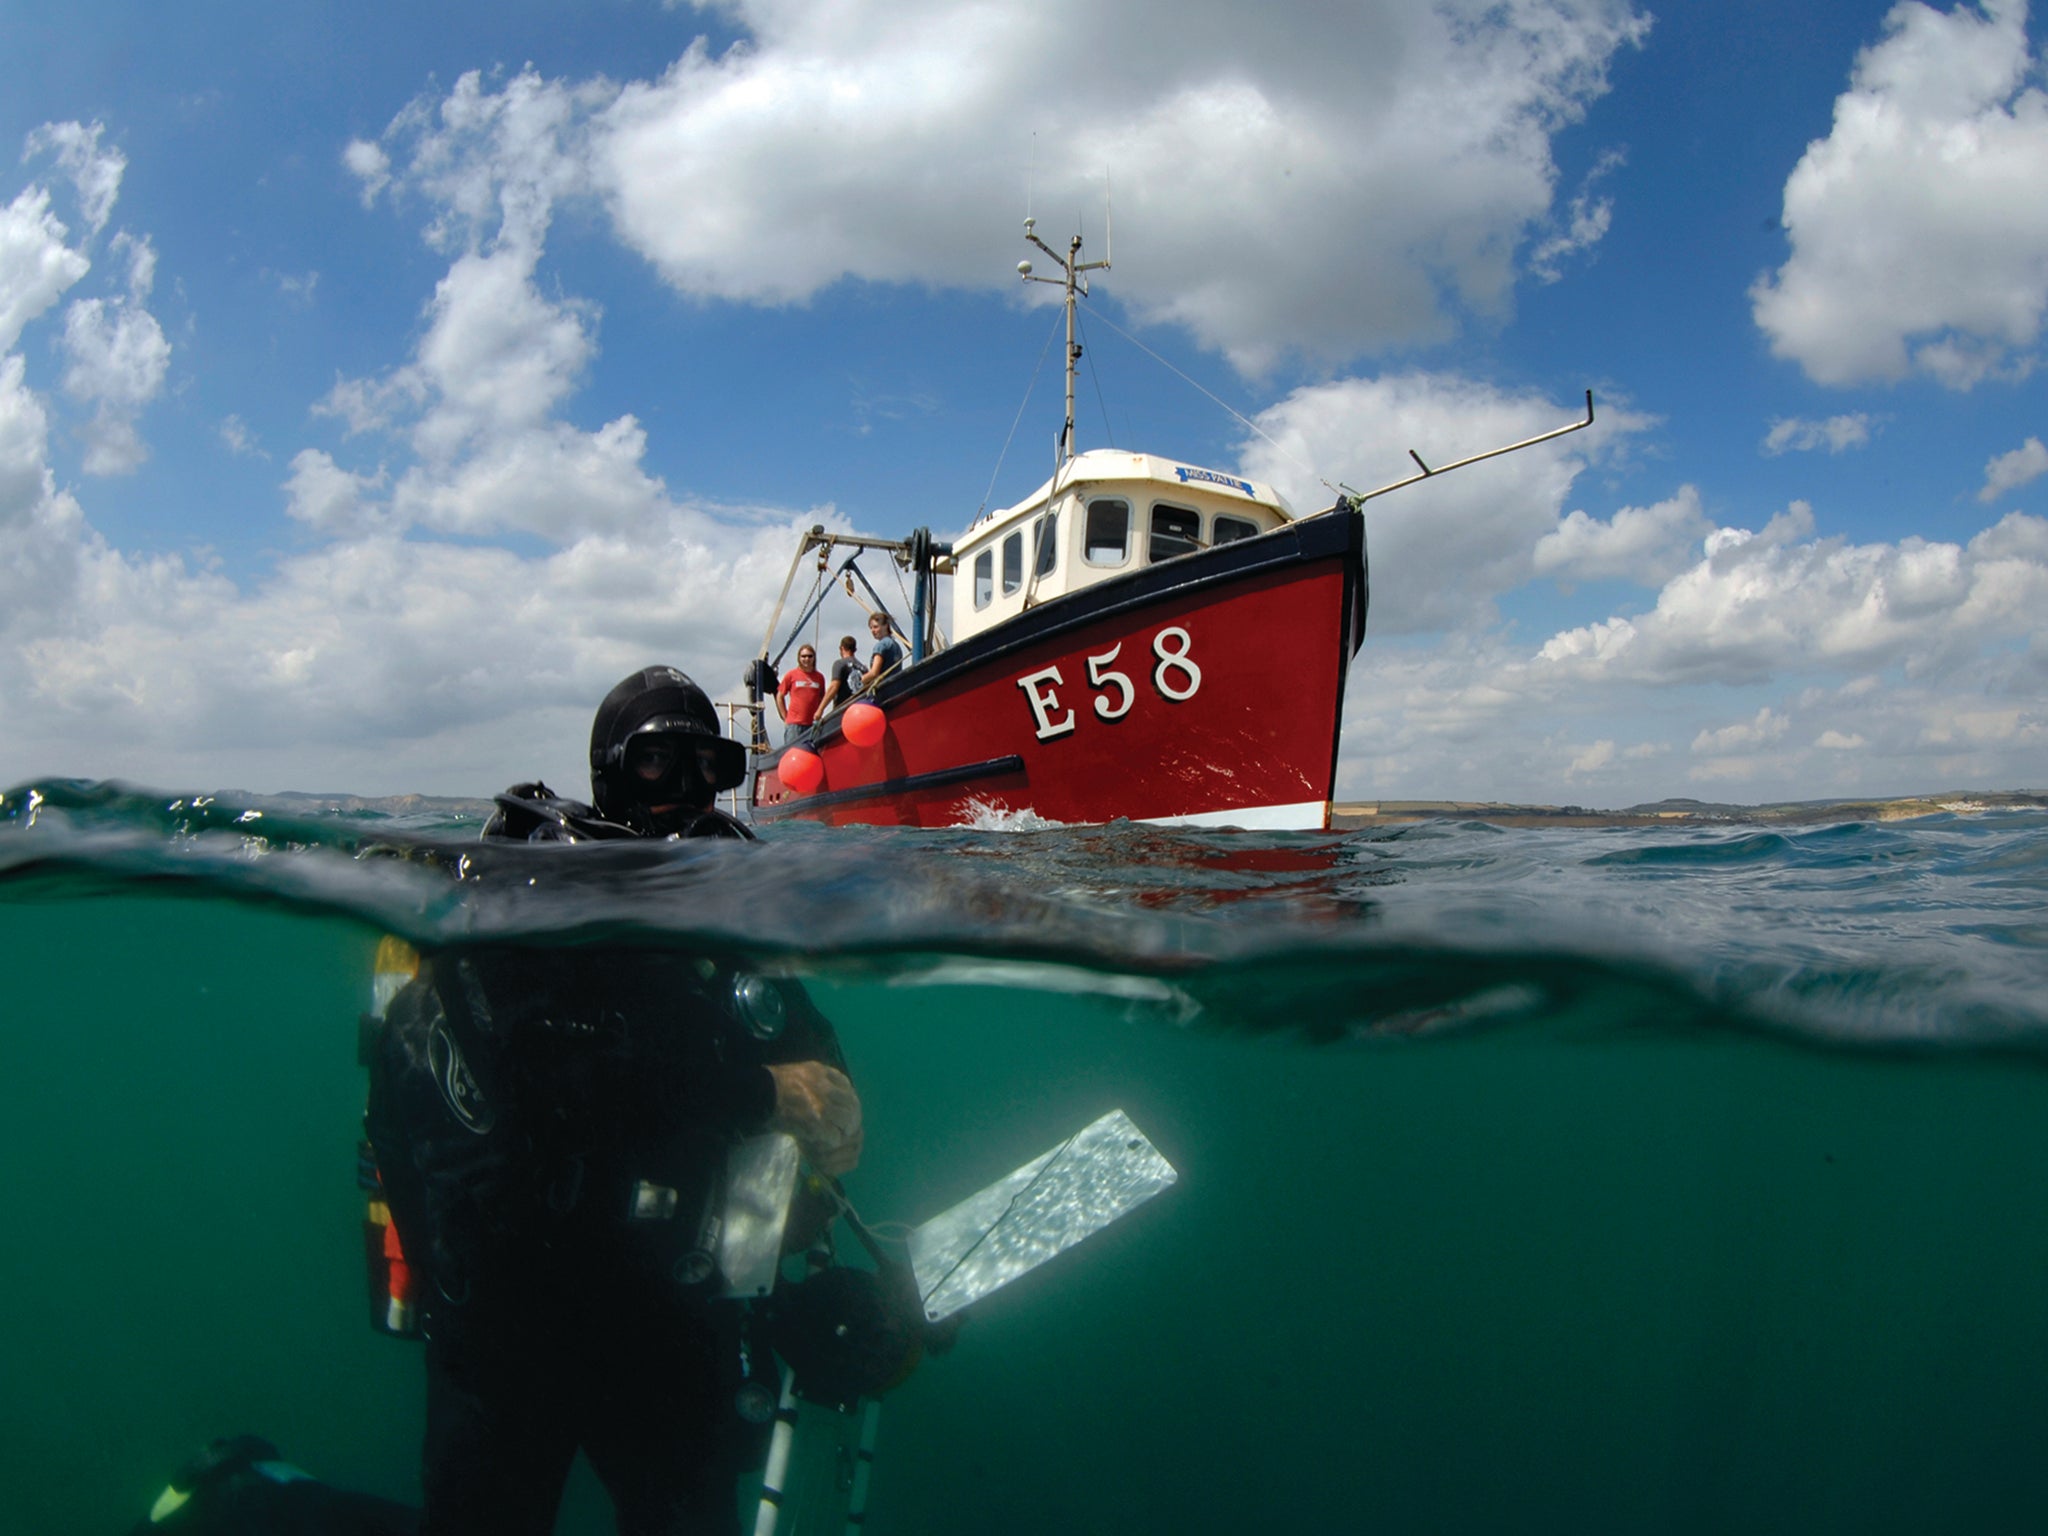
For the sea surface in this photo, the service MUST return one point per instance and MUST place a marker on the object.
(1574, 1180)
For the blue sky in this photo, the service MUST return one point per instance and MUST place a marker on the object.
(378, 384)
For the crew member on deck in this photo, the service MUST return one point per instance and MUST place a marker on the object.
(800, 693)
(845, 680)
(888, 653)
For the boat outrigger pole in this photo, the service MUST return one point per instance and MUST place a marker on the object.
(1357, 499)
(1074, 280)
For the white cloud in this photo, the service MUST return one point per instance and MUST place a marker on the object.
(1471, 719)
(42, 532)
(1586, 222)
(1743, 736)
(95, 173)
(494, 163)
(392, 662)
(2009, 471)
(1409, 140)
(1885, 668)
(36, 263)
(371, 405)
(370, 165)
(1591, 759)
(116, 359)
(323, 495)
(239, 440)
(497, 356)
(1919, 226)
(1794, 434)
(115, 353)
(298, 287)
(1641, 544)
(476, 405)
(374, 661)
(1760, 606)
(375, 648)
(380, 664)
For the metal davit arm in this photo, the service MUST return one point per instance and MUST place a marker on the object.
(810, 541)
(920, 553)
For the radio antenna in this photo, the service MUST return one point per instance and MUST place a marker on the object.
(1108, 223)
(1073, 279)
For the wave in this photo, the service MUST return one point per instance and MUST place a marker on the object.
(1924, 935)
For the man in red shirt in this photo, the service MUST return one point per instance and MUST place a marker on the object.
(799, 693)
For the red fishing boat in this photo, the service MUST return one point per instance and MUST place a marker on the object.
(1138, 638)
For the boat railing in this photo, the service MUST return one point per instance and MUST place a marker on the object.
(753, 738)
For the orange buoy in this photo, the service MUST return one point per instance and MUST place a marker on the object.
(801, 770)
(864, 724)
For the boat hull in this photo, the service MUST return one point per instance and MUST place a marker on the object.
(1204, 690)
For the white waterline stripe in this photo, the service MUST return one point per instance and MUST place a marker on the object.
(1304, 816)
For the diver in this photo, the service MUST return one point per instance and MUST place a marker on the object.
(553, 1134)
(551, 1126)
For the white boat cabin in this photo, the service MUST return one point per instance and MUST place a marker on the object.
(1105, 513)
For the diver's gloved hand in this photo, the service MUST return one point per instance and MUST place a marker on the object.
(818, 1106)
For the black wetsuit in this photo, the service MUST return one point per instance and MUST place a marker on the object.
(556, 1319)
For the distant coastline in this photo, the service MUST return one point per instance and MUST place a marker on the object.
(1663, 813)
(1351, 815)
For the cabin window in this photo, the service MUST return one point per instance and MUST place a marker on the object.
(984, 577)
(1109, 531)
(1013, 562)
(1175, 531)
(1048, 543)
(1230, 529)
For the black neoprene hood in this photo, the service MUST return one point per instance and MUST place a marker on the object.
(659, 698)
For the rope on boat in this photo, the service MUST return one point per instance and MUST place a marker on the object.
(1095, 378)
(1303, 465)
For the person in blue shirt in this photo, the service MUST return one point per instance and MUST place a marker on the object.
(888, 654)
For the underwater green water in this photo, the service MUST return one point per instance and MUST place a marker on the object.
(1555, 1182)
(1606, 1280)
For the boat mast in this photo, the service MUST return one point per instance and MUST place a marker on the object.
(1074, 280)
